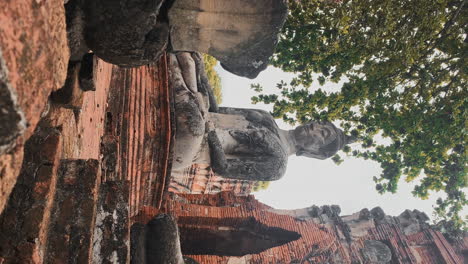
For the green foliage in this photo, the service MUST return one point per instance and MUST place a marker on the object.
(403, 73)
(260, 185)
(213, 77)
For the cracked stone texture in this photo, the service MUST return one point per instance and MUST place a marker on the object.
(34, 49)
(125, 33)
(111, 231)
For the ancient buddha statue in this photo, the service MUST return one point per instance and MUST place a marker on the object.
(239, 143)
(257, 149)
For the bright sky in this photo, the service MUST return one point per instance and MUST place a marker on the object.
(319, 182)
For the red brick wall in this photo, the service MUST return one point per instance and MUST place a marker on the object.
(138, 132)
(324, 240)
(130, 111)
(245, 207)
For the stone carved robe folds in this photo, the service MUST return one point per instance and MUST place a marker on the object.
(238, 143)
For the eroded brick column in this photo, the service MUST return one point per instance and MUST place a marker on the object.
(25, 221)
(111, 231)
(70, 234)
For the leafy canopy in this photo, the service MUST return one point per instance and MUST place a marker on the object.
(260, 185)
(213, 78)
(403, 73)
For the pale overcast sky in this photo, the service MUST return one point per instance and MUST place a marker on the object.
(319, 182)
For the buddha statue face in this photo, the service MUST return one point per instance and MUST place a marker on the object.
(318, 139)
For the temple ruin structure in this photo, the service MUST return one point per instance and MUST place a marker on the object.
(86, 148)
(368, 236)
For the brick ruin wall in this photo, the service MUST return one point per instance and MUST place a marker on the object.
(200, 178)
(95, 158)
(324, 237)
(84, 165)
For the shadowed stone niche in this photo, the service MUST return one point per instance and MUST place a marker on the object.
(249, 237)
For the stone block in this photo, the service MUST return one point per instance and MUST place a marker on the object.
(162, 240)
(156, 242)
(111, 231)
(34, 46)
(69, 237)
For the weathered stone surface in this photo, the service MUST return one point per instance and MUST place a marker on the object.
(157, 242)
(241, 34)
(111, 231)
(12, 125)
(12, 122)
(162, 241)
(34, 49)
(377, 213)
(125, 33)
(376, 252)
(69, 236)
(34, 45)
(75, 29)
(137, 244)
(142, 131)
(412, 221)
(25, 221)
(191, 111)
(10, 165)
(364, 214)
(249, 236)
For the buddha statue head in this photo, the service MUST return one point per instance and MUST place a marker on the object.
(319, 140)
